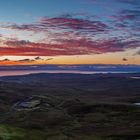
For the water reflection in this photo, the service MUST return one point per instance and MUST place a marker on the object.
(137, 103)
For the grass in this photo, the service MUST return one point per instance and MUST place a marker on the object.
(82, 107)
(15, 133)
(8, 132)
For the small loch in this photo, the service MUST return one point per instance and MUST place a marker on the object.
(137, 103)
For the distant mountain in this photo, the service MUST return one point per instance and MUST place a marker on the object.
(97, 67)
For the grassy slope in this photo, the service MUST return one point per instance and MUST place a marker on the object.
(14, 133)
(105, 116)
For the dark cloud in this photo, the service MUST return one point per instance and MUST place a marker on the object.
(124, 59)
(38, 58)
(26, 60)
(49, 59)
(5, 60)
(42, 59)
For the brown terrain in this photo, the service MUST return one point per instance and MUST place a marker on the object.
(70, 107)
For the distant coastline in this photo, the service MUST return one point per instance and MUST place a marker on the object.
(27, 72)
(68, 69)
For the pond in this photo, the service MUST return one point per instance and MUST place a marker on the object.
(137, 104)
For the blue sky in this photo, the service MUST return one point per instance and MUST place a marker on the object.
(22, 10)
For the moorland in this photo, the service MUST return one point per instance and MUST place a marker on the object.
(70, 107)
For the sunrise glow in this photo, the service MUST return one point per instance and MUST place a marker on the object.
(73, 32)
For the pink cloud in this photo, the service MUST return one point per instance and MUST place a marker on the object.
(68, 35)
(66, 47)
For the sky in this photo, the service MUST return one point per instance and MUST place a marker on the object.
(69, 32)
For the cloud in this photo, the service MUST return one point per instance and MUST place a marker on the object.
(129, 15)
(26, 60)
(124, 59)
(49, 59)
(75, 34)
(38, 58)
(63, 23)
(137, 53)
(41, 59)
(68, 23)
(67, 47)
(132, 2)
(5, 60)
(17, 43)
(128, 19)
